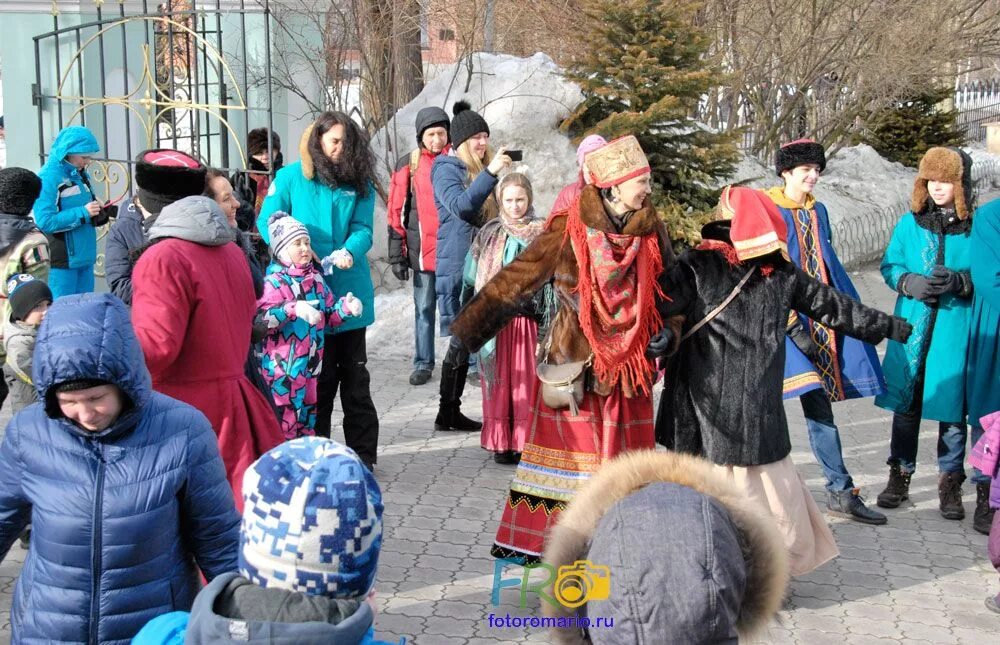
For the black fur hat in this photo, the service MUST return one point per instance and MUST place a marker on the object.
(163, 176)
(257, 142)
(799, 153)
(19, 188)
(466, 123)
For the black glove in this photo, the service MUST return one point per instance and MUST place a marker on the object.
(917, 286)
(103, 215)
(660, 344)
(401, 271)
(804, 341)
(899, 330)
(943, 280)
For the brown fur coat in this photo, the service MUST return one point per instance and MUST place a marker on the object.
(550, 257)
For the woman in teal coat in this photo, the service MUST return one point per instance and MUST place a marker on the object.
(68, 212)
(928, 262)
(330, 190)
(983, 380)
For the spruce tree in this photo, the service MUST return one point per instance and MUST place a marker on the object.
(903, 132)
(644, 73)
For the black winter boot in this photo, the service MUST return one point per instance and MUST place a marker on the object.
(848, 503)
(897, 490)
(449, 416)
(982, 518)
(950, 495)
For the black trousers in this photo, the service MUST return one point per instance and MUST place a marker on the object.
(345, 356)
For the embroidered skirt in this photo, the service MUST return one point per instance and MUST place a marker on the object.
(560, 455)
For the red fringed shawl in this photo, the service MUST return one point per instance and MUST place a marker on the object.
(617, 288)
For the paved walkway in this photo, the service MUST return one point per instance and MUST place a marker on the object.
(919, 579)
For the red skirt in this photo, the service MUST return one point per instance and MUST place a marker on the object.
(509, 396)
(561, 454)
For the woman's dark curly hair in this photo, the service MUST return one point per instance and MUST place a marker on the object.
(356, 165)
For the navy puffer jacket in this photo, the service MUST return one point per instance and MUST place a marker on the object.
(458, 212)
(120, 518)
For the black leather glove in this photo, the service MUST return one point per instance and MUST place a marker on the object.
(103, 215)
(899, 330)
(660, 344)
(917, 286)
(943, 280)
(401, 271)
(803, 340)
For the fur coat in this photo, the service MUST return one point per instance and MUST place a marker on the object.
(550, 257)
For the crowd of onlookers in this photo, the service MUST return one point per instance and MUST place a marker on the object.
(201, 388)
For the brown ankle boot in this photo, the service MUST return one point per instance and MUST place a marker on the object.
(950, 495)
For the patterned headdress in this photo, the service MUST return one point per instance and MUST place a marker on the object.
(617, 162)
(758, 228)
(312, 520)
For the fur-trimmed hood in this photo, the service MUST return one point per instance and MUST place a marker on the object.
(660, 519)
(952, 165)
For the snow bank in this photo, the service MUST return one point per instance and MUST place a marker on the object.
(522, 99)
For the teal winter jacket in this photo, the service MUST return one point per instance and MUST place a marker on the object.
(60, 210)
(937, 349)
(337, 218)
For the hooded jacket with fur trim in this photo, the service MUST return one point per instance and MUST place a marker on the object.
(717, 570)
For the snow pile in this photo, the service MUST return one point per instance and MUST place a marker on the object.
(522, 99)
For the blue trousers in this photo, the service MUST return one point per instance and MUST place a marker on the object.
(950, 445)
(66, 282)
(425, 310)
(824, 439)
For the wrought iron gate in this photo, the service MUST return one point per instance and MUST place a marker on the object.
(183, 74)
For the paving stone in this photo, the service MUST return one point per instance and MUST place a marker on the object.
(917, 632)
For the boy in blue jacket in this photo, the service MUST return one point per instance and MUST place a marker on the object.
(309, 547)
(124, 487)
(69, 213)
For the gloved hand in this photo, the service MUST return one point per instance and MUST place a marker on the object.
(919, 287)
(351, 306)
(307, 312)
(339, 259)
(660, 344)
(401, 271)
(943, 280)
(804, 341)
(899, 329)
(103, 215)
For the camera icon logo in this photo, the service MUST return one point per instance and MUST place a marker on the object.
(580, 582)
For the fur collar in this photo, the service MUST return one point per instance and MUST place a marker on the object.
(643, 222)
(768, 571)
(305, 157)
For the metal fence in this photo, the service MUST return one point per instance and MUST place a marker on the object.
(977, 104)
(862, 239)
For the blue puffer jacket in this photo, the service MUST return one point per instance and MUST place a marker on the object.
(122, 519)
(458, 210)
(59, 210)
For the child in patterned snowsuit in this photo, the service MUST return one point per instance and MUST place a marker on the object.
(296, 307)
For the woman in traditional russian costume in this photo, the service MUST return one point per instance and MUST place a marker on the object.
(722, 397)
(603, 256)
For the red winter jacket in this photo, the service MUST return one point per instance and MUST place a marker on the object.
(413, 240)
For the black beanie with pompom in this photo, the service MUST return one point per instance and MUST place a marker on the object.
(466, 124)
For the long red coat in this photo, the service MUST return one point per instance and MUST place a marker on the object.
(192, 309)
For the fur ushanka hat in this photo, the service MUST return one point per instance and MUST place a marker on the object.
(799, 153)
(951, 165)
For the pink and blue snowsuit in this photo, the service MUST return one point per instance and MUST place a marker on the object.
(293, 349)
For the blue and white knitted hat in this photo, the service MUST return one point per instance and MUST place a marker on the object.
(312, 520)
